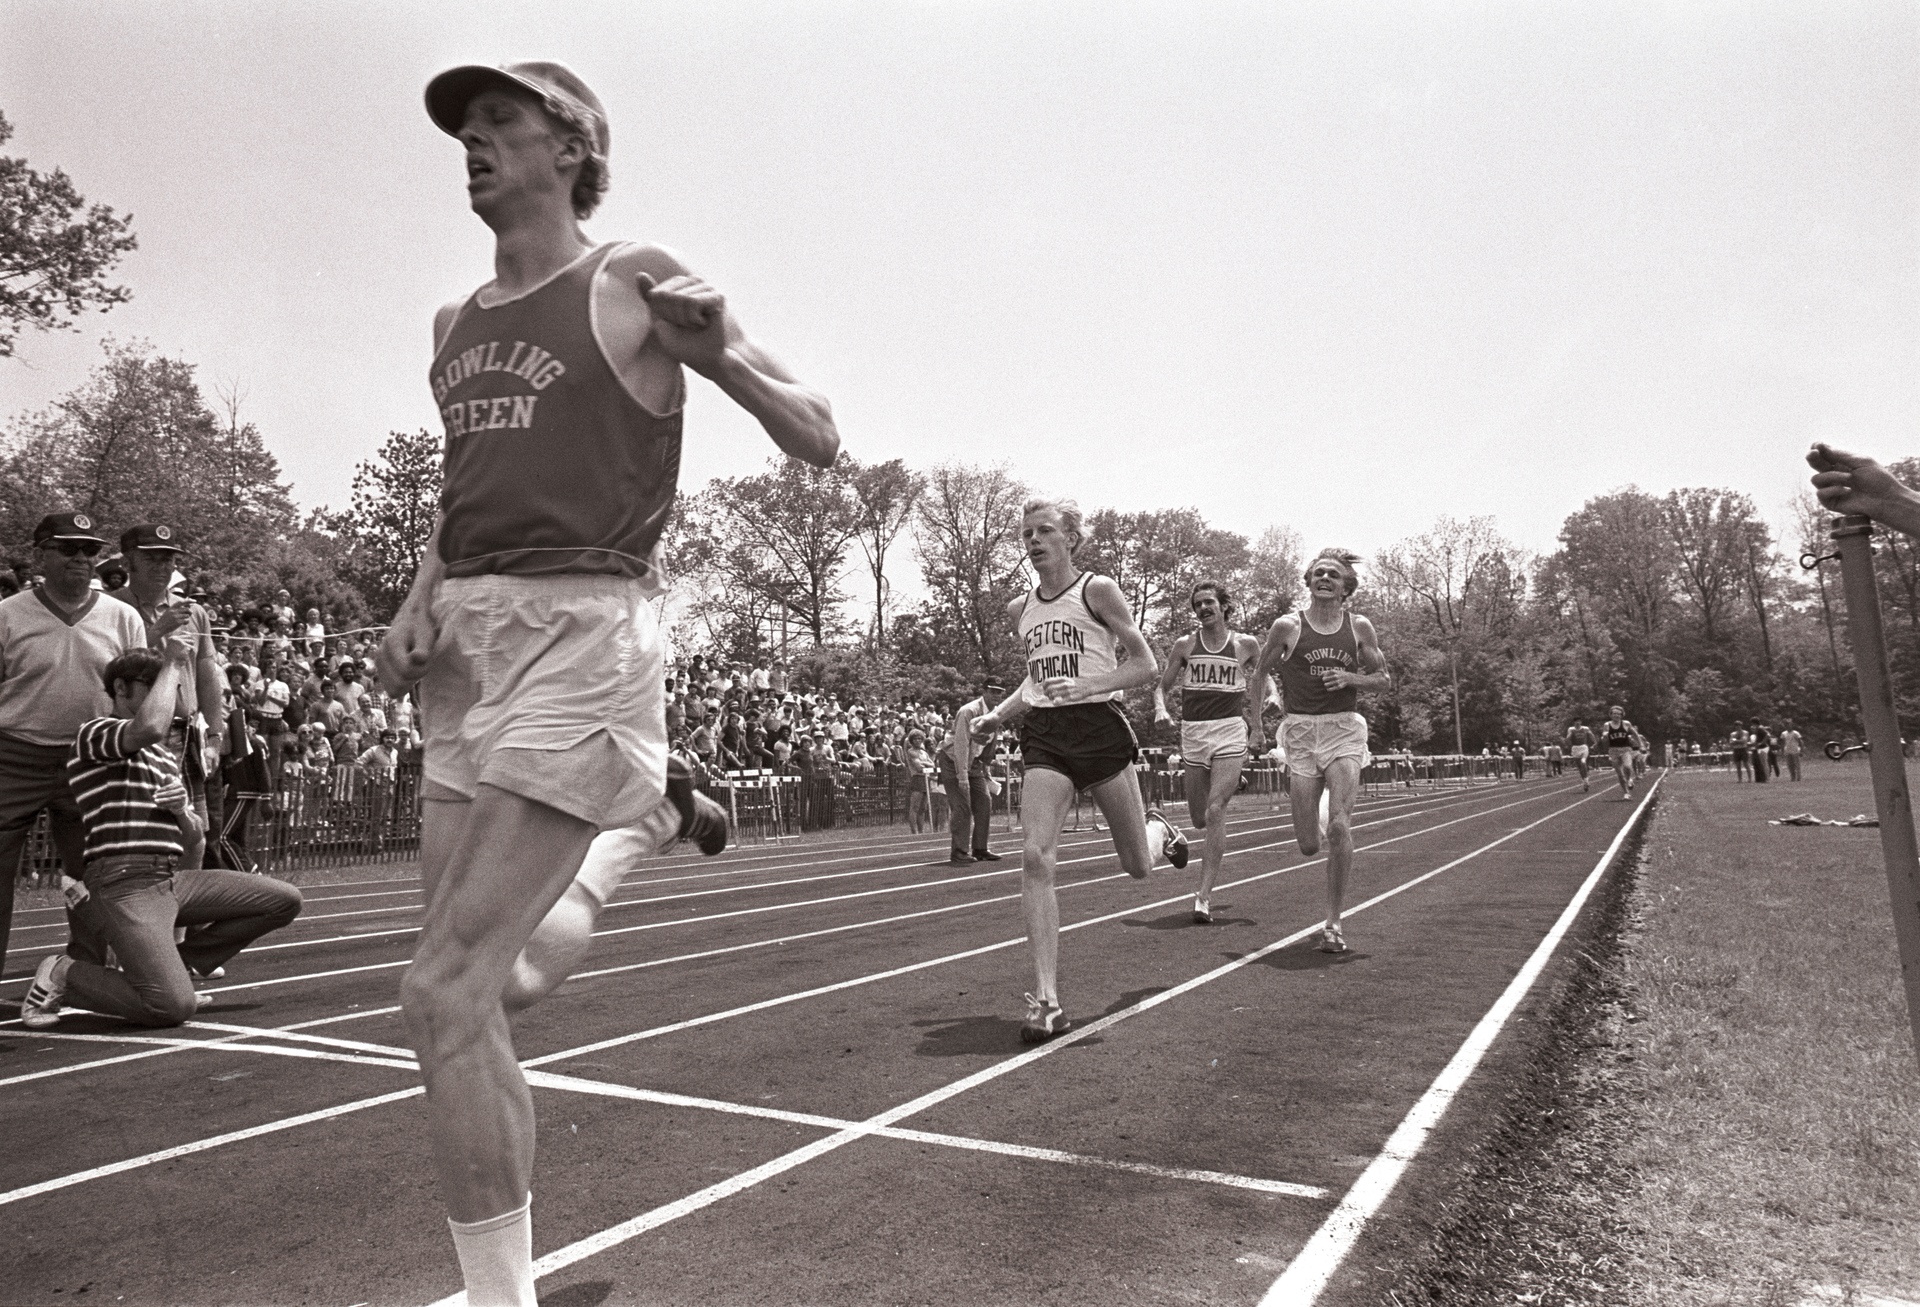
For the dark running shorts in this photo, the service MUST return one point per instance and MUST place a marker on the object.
(1085, 742)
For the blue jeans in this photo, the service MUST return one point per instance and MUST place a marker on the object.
(137, 901)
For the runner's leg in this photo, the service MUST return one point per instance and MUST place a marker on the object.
(1044, 800)
(494, 866)
(1225, 783)
(1120, 803)
(1304, 793)
(1343, 786)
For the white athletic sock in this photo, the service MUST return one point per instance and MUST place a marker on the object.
(496, 1258)
(1158, 833)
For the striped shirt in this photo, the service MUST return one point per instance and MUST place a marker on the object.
(115, 792)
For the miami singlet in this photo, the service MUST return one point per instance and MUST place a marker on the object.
(1212, 689)
(1061, 636)
(552, 466)
(1302, 688)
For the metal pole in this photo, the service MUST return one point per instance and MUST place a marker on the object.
(1895, 808)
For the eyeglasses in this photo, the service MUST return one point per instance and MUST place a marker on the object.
(74, 548)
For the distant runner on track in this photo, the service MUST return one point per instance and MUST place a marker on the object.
(1212, 666)
(1073, 626)
(1324, 658)
(560, 385)
(1620, 736)
(1580, 743)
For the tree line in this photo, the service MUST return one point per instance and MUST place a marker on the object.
(1680, 606)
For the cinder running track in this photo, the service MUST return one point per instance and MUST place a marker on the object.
(793, 1076)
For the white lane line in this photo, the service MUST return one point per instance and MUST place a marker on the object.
(530, 1064)
(203, 1145)
(1417, 805)
(1307, 1276)
(615, 1235)
(608, 1089)
(251, 1032)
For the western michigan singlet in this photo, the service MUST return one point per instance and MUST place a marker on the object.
(1063, 637)
(1212, 689)
(1299, 683)
(552, 466)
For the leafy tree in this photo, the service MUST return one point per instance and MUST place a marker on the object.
(1270, 586)
(885, 494)
(53, 258)
(966, 529)
(1710, 530)
(782, 537)
(137, 443)
(396, 495)
(1156, 556)
(1465, 581)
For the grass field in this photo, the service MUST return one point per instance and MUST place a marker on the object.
(1722, 1107)
(1776, 1128)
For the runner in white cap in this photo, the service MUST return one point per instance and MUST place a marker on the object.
(560, 385)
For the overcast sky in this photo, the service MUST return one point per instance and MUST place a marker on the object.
(1341, 267)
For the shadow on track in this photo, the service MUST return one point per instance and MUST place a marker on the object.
(1305, 957)
(976, 1035)
(587, 1293)
(1182, 919)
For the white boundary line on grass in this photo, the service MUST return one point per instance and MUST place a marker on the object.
(1307, 1276)
(615, 1235)
(342, 1109)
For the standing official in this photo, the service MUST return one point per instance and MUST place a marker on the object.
(963, 774)
(152, 552)
(55, 640)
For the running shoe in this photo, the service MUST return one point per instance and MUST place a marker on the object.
(1174, 848)
(199, 976)
(40, 1007)
(1202, 913)
(701, 819)
(1331, 940)
(1044, 1021)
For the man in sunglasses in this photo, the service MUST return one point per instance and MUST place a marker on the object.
(1324, 657)
(55, 641)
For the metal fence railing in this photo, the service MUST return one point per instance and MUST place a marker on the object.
(346, 817)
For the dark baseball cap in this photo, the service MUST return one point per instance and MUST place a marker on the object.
(65, 526)
(149, 535)
(558, 85)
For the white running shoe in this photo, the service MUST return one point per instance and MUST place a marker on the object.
(40, 1006)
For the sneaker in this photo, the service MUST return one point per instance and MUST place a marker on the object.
(1331, 940)
(1175, 846)
(40, 1007)
(959, 859)
(1044, 1021)
(701, 819)
(201, 999)
(985, 855)
(218, 973)
(1202, 913)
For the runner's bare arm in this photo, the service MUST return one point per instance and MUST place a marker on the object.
(694, 326)
(1373, 674)
(1176, 659)
(1015, 706)
(1248, 650)
(1269, 653)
